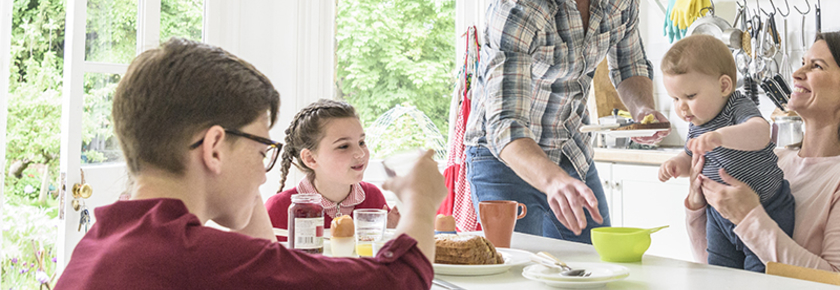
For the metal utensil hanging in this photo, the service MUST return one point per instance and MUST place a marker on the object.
(802, 34)
(818, 16)
(785, 69)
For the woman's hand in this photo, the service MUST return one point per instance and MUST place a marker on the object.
(695, 199)
(733, 201)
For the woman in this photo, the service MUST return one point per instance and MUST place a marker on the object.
(812, 170)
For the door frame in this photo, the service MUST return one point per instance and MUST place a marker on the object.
(5, 62)
(106, 179)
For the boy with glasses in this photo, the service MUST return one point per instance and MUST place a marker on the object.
(193, 123)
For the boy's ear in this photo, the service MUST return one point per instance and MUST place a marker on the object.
(726, 85)
(211, 149)
(307, 158)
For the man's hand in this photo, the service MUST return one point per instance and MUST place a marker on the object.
(659, 135)
(567, 198)
(705, 143)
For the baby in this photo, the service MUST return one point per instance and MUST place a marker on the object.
(699, 73)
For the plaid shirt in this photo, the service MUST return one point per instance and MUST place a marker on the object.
(536, 69)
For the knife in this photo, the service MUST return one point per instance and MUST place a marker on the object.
(783, 84)
(773, 93)
(446, 285)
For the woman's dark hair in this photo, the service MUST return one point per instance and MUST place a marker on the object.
(307, 130)
(833, 41)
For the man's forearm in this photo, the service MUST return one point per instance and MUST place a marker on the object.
(530, 163)
(418, 222)
(637, 94)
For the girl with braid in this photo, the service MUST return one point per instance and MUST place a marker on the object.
(327, 142)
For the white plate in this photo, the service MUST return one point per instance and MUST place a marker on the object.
(602, 274)
(632, 133)
(512, 258)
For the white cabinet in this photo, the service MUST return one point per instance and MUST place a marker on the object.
(605, 173)
(638, 199)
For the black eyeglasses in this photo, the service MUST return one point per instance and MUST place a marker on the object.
(270, 154)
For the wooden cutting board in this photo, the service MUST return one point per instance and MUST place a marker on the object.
(606, 97)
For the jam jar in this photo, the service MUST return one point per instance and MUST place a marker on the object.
(306, 223)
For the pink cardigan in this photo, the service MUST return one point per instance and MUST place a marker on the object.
(815, 184)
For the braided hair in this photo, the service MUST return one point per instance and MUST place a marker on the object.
(307, 130)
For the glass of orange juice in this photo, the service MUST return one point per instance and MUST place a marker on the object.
(370, 230)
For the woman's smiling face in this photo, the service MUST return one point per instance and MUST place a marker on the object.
(816, 85)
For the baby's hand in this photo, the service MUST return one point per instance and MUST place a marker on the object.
(669, 169)
(705, 143)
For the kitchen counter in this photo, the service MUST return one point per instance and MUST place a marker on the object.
(648, 157)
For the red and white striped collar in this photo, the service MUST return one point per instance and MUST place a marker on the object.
(356, 196)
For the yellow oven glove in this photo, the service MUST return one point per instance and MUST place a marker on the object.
(686, 11)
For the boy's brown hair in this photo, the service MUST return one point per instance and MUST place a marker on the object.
(701, 53)
(175, 91)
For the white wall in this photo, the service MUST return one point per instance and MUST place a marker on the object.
(651, 28)
(290, 41)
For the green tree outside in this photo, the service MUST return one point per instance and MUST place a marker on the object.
(396, 52)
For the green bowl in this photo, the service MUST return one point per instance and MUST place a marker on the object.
(617, 244)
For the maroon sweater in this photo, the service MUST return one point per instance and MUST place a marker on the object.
(278, 206)
(158, 244)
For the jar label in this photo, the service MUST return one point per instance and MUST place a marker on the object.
(309, 233)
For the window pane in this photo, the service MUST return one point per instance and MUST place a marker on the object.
(183, 18)
(99, 144)
(395, 57)
(111, 31)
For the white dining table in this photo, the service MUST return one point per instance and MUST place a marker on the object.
(652, 272)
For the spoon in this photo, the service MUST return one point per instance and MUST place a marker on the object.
(656, 229)
(567, 271)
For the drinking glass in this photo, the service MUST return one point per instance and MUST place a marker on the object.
(370, 230)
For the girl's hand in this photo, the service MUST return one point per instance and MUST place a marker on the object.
(393, 217)
(695, 199)
(734, 201)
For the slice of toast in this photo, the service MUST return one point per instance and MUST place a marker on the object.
(465, 250)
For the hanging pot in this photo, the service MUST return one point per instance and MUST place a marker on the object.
(709, 24)
(732, 37)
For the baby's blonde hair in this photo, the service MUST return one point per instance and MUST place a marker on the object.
(700, 53)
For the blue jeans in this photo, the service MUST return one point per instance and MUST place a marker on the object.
(726, 249)
(490, 179)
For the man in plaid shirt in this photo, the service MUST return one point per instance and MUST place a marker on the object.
(534, 77)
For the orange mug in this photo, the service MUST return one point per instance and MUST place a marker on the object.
(498, 218)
